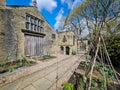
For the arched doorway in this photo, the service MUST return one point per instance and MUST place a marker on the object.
(82, 47)
(67, 50)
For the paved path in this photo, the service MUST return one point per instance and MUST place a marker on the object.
(45, 74)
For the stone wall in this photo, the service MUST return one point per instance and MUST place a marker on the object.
(50, 43)
(70, 41)
(7, 33)
(2, 3)
(12, 21)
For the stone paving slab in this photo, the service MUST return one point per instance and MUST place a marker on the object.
(51, 77)
(42, 84)
(30, 87)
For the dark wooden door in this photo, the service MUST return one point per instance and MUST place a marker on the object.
(67, 50)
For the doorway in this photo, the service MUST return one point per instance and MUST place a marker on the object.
(82, 47)
(33, 45)
(67, 51)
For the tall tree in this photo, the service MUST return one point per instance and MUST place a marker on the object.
(97, 13)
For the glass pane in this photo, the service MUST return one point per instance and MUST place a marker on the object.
(27, 18)
(27, 25)
(31, 26)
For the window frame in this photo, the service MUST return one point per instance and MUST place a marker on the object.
(34, 24)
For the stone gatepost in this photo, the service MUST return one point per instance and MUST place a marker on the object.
(64, 50)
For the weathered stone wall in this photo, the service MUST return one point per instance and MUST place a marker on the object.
(7, 33)
(70, 42)
(50, 43)
(12, 21)
(12, 41)
(2, 50)
(2, 3)
(69, 36)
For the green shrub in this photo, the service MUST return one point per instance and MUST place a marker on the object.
(73, 52)
(68, 86)
(26, 63)
(11, 68)
(2, 64)
(113, 47)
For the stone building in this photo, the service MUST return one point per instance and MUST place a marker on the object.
(24, 32)
(68, 42)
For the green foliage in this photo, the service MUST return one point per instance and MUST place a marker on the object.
(81, 86)
(82, 63)
(26, 63)
(2, 64)
(47, 57)
(94, 84)
(84, 79)
(101, 80)
(11, 68)
(9, 58)
(68, 86)
(101, 70)
(74, 76)
(73, 52)
(113, 47)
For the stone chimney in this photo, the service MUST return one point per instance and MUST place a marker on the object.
(35, 3)
(2, 3)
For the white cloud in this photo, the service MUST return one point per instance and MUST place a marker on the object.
(68, 2)
(48, 5)
(58, 18)
(71, 3)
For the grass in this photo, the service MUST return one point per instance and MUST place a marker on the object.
(46, 57)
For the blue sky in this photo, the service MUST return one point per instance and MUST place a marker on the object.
(52, 10)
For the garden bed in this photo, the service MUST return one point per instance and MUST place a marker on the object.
(13, 65)
(10, 66)
(80, 79)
